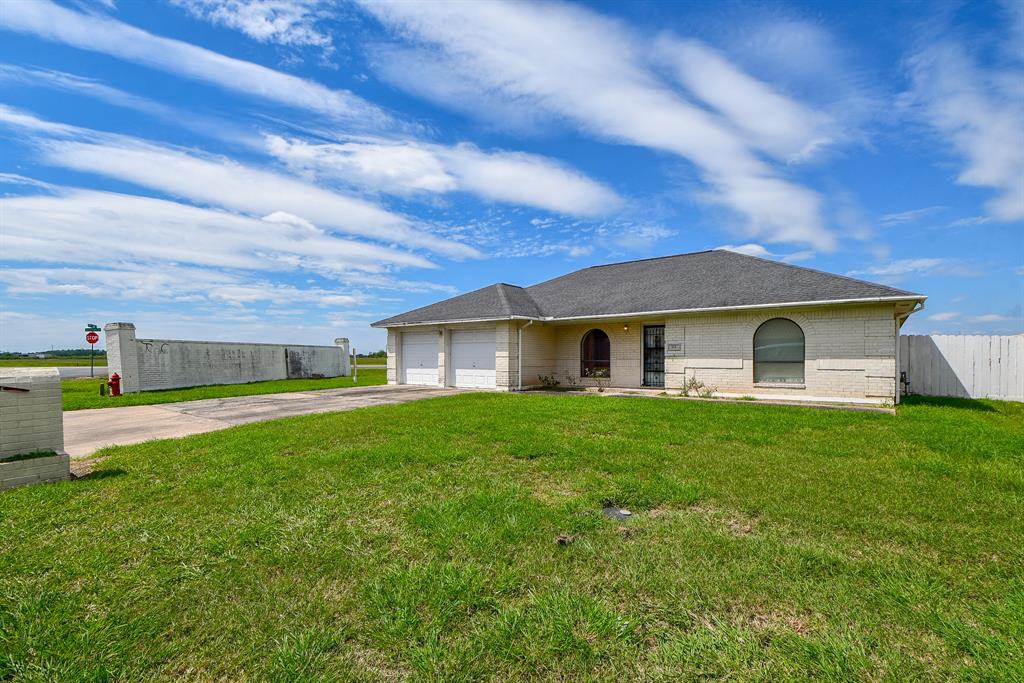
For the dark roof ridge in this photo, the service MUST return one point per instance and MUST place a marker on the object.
(504, 299)
(813, 270)
(650, 258)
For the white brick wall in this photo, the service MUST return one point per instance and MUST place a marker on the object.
(392, 349)
(30, 420)
(151, 364)
(34, 471)
(850, 352)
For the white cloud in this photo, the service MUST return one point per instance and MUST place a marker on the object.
(747, 250)
(283, 22)
(405, 167)
(770, 121)
(760, 251)
(910, 216)
(592, 71)
(634, 238)
(98, 33)
(163, 283)
(903, 267)
(226, 183)
(970, 221)
(979, 114)
(990, 318)
(396, 168)
(942, 317)
(95, 228)
(66, 82)
(899, 269)
(221, 182)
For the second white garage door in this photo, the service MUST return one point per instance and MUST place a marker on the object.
(473, 359)
(419, 358)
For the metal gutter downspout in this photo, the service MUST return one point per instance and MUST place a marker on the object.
(519, 354)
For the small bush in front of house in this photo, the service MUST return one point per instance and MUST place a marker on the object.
(601, 378)
(694, 387)
(549, 381)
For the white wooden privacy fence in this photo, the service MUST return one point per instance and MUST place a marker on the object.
(974, 366)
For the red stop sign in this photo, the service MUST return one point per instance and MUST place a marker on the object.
(92, 337)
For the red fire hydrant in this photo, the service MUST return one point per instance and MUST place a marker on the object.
(115, 384)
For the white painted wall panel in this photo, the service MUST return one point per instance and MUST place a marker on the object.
(473, 358)
(418, 358)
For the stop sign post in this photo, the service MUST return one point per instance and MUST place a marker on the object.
(92, 337)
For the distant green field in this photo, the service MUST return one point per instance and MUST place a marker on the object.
(66, 361)
(84, 393)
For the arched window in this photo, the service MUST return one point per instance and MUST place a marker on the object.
(596, 355)
(779, 352)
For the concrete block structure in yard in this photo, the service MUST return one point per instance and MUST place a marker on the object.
(31, 421)
(152, 364)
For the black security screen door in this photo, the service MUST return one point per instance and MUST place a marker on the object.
(654, 356)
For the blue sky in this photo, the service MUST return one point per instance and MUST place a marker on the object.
(291, 170)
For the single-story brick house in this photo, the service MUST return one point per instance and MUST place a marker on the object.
(743, 325)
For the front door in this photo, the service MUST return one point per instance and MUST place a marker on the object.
(654, 355)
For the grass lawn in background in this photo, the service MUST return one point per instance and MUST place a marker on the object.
(418, 541)
(84, 393)
(65, 361)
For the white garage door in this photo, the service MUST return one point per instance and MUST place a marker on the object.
(473, 359)
(419, 358)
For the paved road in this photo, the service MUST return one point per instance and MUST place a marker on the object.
(67, 372)
(86, 431)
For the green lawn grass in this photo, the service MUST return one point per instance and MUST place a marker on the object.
(84, 393)
(418, 542)
(65, 361)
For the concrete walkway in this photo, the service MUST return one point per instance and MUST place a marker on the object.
(86, 431)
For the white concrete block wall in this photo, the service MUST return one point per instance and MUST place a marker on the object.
(506, 360)
(392, 358)
(540, 349)
(152, 364)
(34, 470)
(30, 420)
(443, 341)
(850, 352)
(123, 354)
(626, 352)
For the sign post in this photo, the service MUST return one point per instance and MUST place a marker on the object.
(92, 336)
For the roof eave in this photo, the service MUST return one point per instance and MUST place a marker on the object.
(453, 321)
(675, 311)
(745, 307)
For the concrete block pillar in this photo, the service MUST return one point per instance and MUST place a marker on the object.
(123, 354)
(392, 350)
(443, 342)
(346, 355)
(31, 417)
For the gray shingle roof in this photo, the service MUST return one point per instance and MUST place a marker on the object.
(488, 303)
(705, 279)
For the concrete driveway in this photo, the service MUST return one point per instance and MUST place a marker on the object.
(86, 431)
